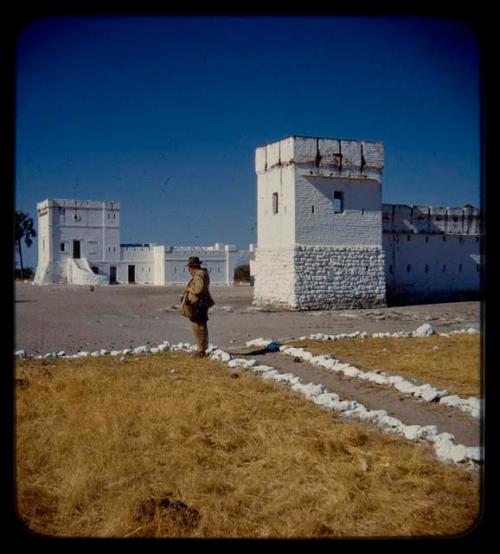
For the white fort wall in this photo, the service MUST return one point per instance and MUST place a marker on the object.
(431, 251)
(308, 256)
(79, 243)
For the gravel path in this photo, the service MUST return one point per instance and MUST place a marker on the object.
(406, 408)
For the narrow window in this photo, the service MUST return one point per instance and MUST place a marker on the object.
(460, 268)
(408, 268)
(426, 239)
(114, 216)
(362, 211)
(427, 268)
(408, 238)
(477, 239)
(338, 202)
(62, 247)
(275, 202)
(312, 209)
(444, 239)
(175, 269)
(461, 240)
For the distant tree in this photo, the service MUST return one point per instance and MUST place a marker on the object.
(28, 273)
(24, 230)
(242, 273)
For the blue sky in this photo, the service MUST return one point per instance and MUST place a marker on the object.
(164, 113)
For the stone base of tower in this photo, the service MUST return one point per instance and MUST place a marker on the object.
(339, 277)
(319, 277)
(274, 277)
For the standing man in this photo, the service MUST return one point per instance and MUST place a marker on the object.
(195, 303)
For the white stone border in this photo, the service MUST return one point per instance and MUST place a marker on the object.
(426, 392)
(443, 443)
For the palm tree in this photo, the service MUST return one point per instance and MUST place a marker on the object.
(24, 229)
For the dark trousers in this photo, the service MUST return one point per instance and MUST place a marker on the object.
(200, 332)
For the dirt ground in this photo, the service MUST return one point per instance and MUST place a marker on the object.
(72, 318)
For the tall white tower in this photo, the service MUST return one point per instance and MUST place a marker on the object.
(319, 224)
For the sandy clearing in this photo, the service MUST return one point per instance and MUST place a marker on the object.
(72, 318)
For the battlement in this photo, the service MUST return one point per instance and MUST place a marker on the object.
(323, 157)
(79, 204)
(402, 218)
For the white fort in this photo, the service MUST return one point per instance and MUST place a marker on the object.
(79, 243)
(326, 241)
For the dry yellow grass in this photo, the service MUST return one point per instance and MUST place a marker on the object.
(110, 450)
(454, 365)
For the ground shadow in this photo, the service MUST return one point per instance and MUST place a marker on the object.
(258, 352)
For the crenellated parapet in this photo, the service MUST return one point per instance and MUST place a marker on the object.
(402, 218)
(323, 157)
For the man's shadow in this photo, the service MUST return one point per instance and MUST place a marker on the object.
(258, 352)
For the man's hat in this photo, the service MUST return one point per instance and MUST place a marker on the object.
(194, 261)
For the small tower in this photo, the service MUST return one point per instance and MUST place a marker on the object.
(319, 224)
(77, 242)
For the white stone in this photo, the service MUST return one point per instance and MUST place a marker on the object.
(390, 421)
(270, 374)
(20, 354)
(458, 453)
(413, 432)
(425, 330)
(452, 401)
(140, 350)
(394, 379)
(262, 368)
(475, 453)
(311, 390)
(405, 387)
(430, 395)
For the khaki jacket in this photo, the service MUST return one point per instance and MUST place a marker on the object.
(197, 292)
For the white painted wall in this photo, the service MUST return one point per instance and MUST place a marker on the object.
(360, 224)
(273, 270)
(97, 226)
(307, 255)
(276, 229)
(424, 264)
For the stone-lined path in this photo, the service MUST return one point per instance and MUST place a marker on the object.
(408, 409)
